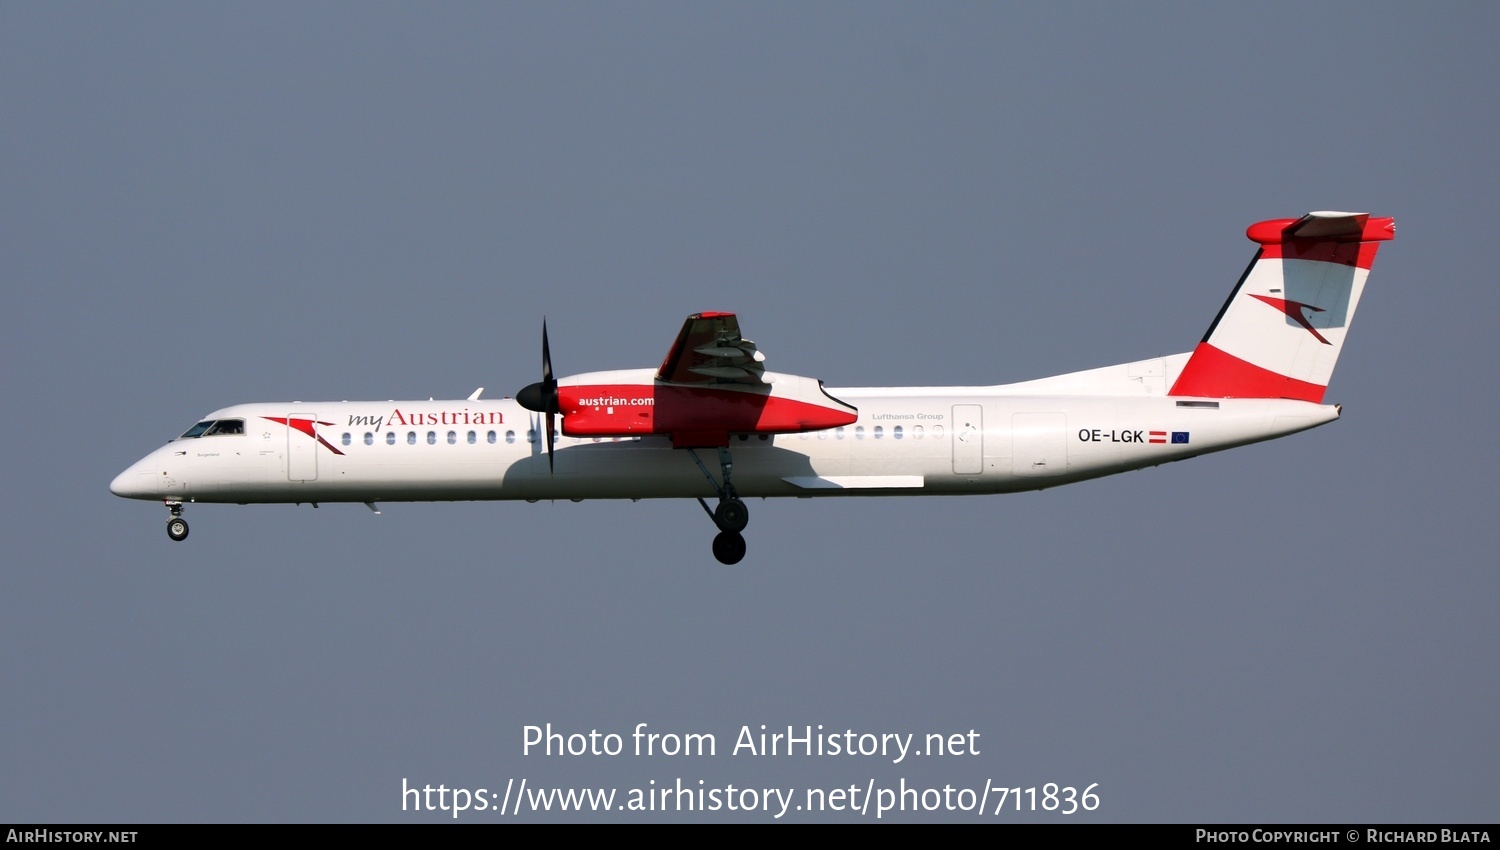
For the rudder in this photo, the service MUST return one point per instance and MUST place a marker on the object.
(1281, 331)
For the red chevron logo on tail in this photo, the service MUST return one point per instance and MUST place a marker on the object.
(1294, 309)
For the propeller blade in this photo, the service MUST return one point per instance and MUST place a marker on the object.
(541, 396)
(551, 466)
(547, 359)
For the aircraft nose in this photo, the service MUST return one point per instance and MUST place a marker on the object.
(123, 483)
(133, 483)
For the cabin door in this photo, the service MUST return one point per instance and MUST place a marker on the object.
(302, 447)
(968, 439)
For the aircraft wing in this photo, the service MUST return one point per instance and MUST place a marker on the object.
(710, 350)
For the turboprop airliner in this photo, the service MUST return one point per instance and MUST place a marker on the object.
(712, 423)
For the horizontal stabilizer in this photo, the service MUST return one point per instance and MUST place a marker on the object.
(1325, 227)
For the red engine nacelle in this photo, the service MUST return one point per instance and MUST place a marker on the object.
(700, 416)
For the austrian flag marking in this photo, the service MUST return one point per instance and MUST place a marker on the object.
(1179, 438)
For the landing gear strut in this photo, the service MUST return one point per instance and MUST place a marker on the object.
(177, 527)
(730, 515)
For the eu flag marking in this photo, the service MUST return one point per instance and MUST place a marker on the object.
(1180, 437)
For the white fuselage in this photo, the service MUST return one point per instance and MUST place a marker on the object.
(1260, 372)
(907, 441)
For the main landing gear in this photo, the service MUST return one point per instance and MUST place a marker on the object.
(177, 527)
(730, 515)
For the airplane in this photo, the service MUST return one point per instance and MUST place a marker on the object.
(1260, 372)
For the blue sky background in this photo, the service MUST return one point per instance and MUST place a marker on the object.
(205, 204)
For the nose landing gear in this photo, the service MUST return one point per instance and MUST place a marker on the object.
(177, 527)
(730, 515)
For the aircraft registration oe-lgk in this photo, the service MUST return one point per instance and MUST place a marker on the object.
(1259, 373)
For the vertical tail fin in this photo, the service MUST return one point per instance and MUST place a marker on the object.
(1280, 332)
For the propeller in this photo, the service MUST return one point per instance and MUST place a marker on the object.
(541, 396)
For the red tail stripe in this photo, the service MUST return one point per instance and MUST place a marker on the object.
(1212, 373)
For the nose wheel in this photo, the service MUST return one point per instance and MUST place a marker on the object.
(729, 547)
(177, 527)
(730, 515)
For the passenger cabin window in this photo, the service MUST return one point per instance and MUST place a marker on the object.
(390, 438)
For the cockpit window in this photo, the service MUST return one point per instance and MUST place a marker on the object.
(197, 430)
(213, 428)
